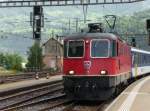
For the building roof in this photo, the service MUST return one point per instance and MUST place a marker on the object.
(51, 40)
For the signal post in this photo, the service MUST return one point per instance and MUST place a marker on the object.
(37, 22)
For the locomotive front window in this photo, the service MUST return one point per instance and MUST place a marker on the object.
(100, 48)
(75, 48)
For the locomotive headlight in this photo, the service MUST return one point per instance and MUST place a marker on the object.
(103, 72)
(71, 72)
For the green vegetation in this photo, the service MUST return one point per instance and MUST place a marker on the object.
(4, 71)
(35, 58)
(132, 24)
(11, 61)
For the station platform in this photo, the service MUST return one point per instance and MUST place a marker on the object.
(134, 98)
(27, 83)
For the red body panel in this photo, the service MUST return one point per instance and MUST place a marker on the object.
(96, 66)
(73, 64)
(124, 57)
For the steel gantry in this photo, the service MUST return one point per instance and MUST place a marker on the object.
(31, 3)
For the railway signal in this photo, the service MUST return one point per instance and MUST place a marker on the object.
(148, 29)
(37, 21)
(133, 42)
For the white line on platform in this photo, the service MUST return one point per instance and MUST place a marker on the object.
(130, 99)
(137, 93)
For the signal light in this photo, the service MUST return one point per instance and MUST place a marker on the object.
(133, 42)
(148, 24)
(148, 29)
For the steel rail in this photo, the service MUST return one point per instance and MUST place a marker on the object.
(57, 105)
(30, 91)
(53, 90)
(36, 102)
(19, 77)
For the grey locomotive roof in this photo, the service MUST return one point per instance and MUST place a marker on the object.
(92, 35)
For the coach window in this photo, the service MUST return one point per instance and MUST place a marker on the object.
(139, 59)
(143, 59)
(136, 58)
(100, 48)
(75, 48)
(146, 60)
(133, 58)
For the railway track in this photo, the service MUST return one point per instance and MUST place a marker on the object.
(32, 97)
(86, 106)
(20, 77)
(58, 105)
(45, 103)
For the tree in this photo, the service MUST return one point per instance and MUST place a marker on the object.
(1, 59)
(35, 58)
(11, 61)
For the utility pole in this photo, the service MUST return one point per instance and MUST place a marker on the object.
(77, 22)
(85, 10)
(69, 25)
(56, 53)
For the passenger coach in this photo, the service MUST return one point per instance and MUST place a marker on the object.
(140, 62)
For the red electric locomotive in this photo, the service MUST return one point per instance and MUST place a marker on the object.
(95, 64)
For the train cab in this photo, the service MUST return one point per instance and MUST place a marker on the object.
(94, 64)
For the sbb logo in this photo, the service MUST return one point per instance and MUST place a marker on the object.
(87, 64)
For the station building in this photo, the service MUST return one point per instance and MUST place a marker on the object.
(53, 54)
